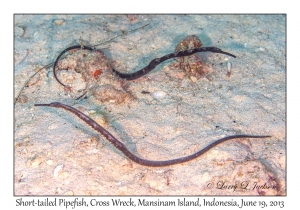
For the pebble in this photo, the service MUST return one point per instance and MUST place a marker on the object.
(193, 78)
(93, 151)
(37, 161)
(261, 49)
(52, 127)
(58, 190)
(59, 22)
(36, 35)
(166, 69)
(24, 151)
(229, 65)
(49, 162)
(19, 31)
(91, 111)
(158, 95)
(69, 193)
(58, 169)
(23, 99)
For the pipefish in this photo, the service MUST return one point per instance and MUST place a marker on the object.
(151, 66)
(119, 145)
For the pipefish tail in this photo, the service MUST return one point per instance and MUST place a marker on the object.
(119, 145)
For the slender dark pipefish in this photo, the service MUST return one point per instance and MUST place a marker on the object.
(151, 66)
(132, 156)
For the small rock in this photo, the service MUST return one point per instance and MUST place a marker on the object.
(69, 193)
(19, 31)
(158, 95)
(52, 127)
(58, 169)
(37, 161)
(193, 78)
(59, 22)
(229, 65)
(24, 151)
(91, 111)
(93, 151)
(166, 69)
(262, 49)
(49, 162)
(36, 35)
(58, 190)
(23, 99)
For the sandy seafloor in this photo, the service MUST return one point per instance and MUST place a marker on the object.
(190, 116)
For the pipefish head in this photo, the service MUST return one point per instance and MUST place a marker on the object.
(53, 104)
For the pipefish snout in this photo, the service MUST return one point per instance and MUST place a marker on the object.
(119, 145)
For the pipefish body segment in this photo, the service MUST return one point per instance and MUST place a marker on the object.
(119, 145)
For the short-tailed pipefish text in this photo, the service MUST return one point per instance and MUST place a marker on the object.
(119, 145)
(151, 66)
